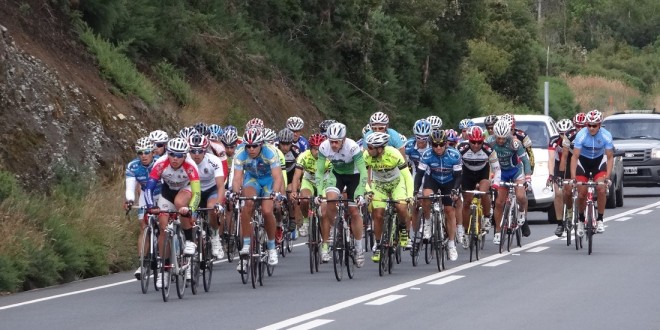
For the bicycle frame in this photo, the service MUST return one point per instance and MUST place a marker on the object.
(509, 221)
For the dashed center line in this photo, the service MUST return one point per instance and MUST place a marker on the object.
(538, 249)
(623, 219)
(446, 280)
(385, 300)
(495, 263)
(645, 212)
(311, 324)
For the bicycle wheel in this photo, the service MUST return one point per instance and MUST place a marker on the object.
(397, 248)
(349, 254)
(195, 262)
(438, 243)
(568, 225)
(472, 242)
(504, 225)
(165, 270)
(417, 239)
(270, 269)
(145, 260)
(519, 237)
(369, 237)
(312, 243)
(255, 257)
(338, 249)
(207, 264)
(590, 228)
(180, 275)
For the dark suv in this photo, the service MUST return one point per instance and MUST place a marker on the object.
(637, 135)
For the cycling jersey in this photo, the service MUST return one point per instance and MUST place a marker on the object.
(218, 149)
(593, 146)
(527, 144)
(136, 173)
(260, 166)
(442, 168)
(414, 152)
(300, 145)
(175, 179)
(476, 161)
(510, 154)
(347, 160)
(395, 139)
(568, 143)
(209, 168)
(390, 176)
(307, 163)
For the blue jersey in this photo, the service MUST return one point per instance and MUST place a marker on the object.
(593, 146)
(395, 139)
(260, 166)
(302, 144)
(136, 170)
(511, 154)
(413, 152)
(441, 167)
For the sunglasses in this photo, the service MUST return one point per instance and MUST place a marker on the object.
(231, 146)
(176, 154)
(378, 128)
(593, 125)
(197, 151)
(436, 145)
(335, 141)
(144, 152)
(476, 142)
(372, 147)
(421, 138)
(489, 127)
(251, 146)
(314, 148)
(160, 145)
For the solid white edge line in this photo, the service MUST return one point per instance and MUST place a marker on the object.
(385, 300)
(496, 263)
(311, 325)
(356, 300)
(446, 280)
(538, 249)
(644, 212)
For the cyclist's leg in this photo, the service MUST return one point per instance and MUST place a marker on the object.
(484, 185)
(250, 189)
(165, 203)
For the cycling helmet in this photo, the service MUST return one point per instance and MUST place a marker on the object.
(229, 137)
(231, 128)
(253, 135)
(422, 127)
(323, 126)
(315, 140)
(255, 122)
(564, 125)
(403, 138)
(201, 128)
(451, 135)
(214, 132)
(186, 132)
(438, 136)
(285, 135)
(475, 133)
(465, 124)
(295, 123)
(379, 118)
(502, 128)
(269, 135)
(435, 121)
(490, 120)
(198, 141)
(580, 119)
(158, 136)
(337, 131)
(506, 116)
(594, 117)
(144, 144)
(178, 145)
(366, 129)
(378, 139)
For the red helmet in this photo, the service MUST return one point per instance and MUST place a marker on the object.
(475, 133)
(594, 117)
(580, 119)
(315, 140)
(254, 122)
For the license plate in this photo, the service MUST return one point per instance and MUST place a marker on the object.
(630, 170)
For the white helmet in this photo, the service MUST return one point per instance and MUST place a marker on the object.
(295, 123)
(366, 129)
(436, 122)
(594, 117)
(177, 145)
(144, 144)
(269, 135)
(186, 132)
(378, 139)
(158, 136)
(564, 125)
(337, 131)
(229, 137)
(379, 118)
(502, 128)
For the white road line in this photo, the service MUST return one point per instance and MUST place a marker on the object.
(496, 263)
(446, 280)
(364, 298)
(311, 324)
(538, 249)
(623, 219)
(385, 300)
(645, 212)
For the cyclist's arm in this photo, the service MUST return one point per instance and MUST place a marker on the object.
(562, 161)
(297, 176)
(362, 168)
(237, 181)
(407, 179)
(522, 154)
(574, 159)
(495, 169)
(195, 185)
(318, 176)
(131, 185)
(458, 176)
(422, 173)
(278, 184)
(609, 153)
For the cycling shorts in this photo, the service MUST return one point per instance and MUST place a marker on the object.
(393, 190)
(597, 167)
(263, 186)
(444, 189)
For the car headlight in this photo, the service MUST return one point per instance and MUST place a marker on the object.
(655, 153)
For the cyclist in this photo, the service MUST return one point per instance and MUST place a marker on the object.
(379, 123)
(212, 181)
(515, 167)
(476, 155)
(257, 172)
(296, 124)
(323, 126)
(186, 132)
(452, 138)
(304, 177)
(442, 167)
(159, 139)
(464, 125)
(287, 148)
(568, 143)
(389, 178)
(555, 174)
(348, 172)
(270, 138)
(435, 121)
(522, 137)
(180, 191)
(137, 173)
(592, 155)
(489, 122)
(415, 148)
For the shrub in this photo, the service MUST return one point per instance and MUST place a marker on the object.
(174, 82)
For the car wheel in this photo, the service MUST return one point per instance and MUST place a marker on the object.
(619, 196)
(611, 198)
(552, 215)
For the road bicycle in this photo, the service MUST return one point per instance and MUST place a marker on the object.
(202, 260)
(231, 231)
(437, 247)
(570, 216)
(590, 219)
(314, 234)
(368, 228)
(343, 246)
(390, 249)
(476, 236)
(149, 259)
(175, 262)
(509, 227)
(257, 259)
(286, 244)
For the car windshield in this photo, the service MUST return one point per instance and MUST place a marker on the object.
(634, 128)
(537, 132)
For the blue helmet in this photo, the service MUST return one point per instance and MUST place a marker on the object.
(422, 127)
(215, 132)
(465, 124)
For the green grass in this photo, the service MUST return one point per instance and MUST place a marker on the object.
(172, 79)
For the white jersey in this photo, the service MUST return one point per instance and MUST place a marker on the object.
(175, 179)
(209, 168)
(218, 149)
(342, 160)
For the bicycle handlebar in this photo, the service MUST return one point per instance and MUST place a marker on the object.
(476, 192)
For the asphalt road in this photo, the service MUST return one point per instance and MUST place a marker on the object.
(543, 285)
